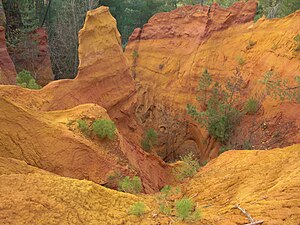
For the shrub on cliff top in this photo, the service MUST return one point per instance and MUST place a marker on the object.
(104, 129)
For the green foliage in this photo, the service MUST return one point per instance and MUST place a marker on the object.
(251, 106)
(189, 168)
(279, 88)
(251, 44)
(137, 209)
(149, 140)
(83, 127)
(25, 79)
(247, 145)
(128, 185)
(104, 129)
(220, 116)
(185, 210)
(224, 149)
(135, 54)
(241, 61)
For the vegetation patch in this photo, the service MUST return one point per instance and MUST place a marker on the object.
(137, 209)
(186, 210)
(241, 61)
(282, 89)
(149, 140)
(25, 80)
(220, 115)
(130, 185)
(83, 127)
(251, 106)
(189, 168)
(104, 129)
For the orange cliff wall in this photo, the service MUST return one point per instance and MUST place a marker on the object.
(173, 50)
(104, 78)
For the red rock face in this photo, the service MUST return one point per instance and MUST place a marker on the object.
(7, 68)
(33, 54)
(42, 65)
(195, 21)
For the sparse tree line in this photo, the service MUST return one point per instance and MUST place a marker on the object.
(63, 20)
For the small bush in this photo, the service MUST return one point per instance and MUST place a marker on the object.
(251, 44)
(189, 168)
(135, 54)
(133, 186)
(251, 106)
(137, 209)
(241, 61)
(104, 129)
(185, 210)
(149, 140)
(83, 127)
(25, 80)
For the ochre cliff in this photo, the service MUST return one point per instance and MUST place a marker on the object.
(35, 122)
(169, 54)
(265, 183)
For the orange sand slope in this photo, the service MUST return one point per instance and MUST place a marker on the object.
(265, 183)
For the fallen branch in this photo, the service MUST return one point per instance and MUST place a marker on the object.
(249, 217)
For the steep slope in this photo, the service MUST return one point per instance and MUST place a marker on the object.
(40, 125)
(265, 183)
(32, 196)
(169, 54)
(52, 141)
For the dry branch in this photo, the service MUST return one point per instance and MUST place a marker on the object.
(249, 217)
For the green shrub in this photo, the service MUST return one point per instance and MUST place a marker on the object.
(104, 129)
(189, 168)
(25, 80)
(135, 54)
(133, 186)
(251, 44)
(220, 115)
(83, 127)
(185, 210)
(241, 61)
(149, 140)
(138, 209)
(251, 106)
(280, 88)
